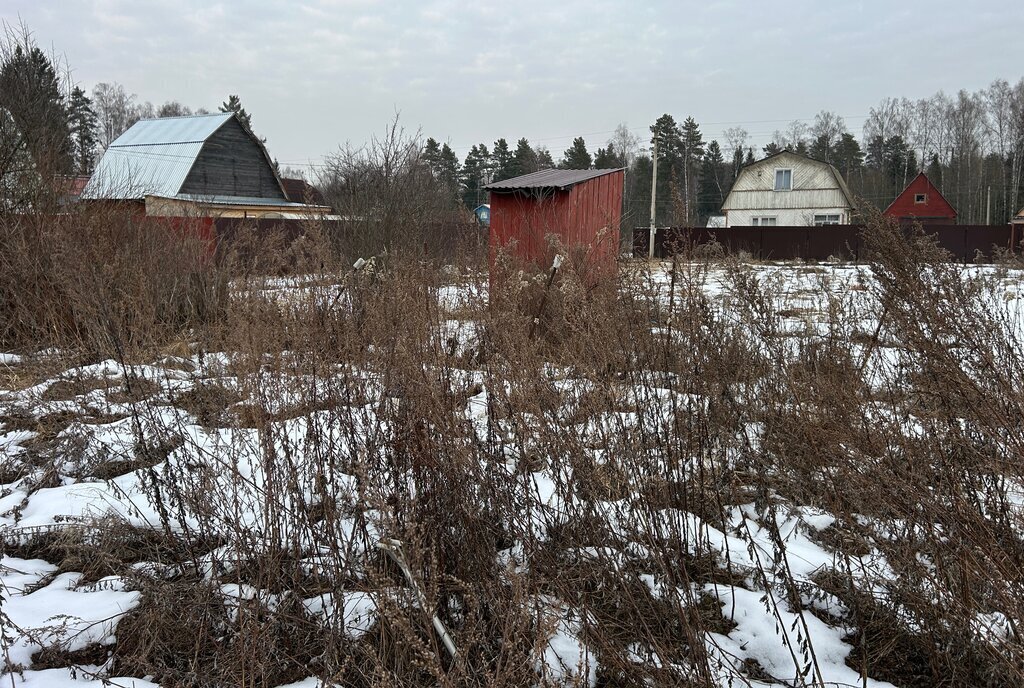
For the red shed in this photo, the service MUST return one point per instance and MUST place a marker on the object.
(922, 202)
(582, 208)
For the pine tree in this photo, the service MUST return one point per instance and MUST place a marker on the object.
(821, 149)
(501, 161)
(608, 158)
(448, 171)
(83, 124)
(848, 156)
(934, 171)
(669, 144)
(234, 104)
(30, 91)
(772, 148)
(524, 160)
(576, 156)
(432, 156)
(475, 174)
(712, 186)
(544, 159)
(692, 151)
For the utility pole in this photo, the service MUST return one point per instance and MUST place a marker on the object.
(654, 196)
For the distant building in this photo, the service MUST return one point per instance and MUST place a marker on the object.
(922, 202)
(204, 165)
(582, 208)
(483, 214)
(1018, 219)
(716, 222)
(787, 189)
(301, 191)
(70, 187)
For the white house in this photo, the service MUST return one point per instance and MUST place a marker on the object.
(787, 189)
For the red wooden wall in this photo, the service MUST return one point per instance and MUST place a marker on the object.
(585, 219)
(936, 209)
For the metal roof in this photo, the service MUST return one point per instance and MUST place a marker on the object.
(240, 200)
(548, 179)
(153, 157)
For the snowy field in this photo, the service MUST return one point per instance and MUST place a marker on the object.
(107, 447)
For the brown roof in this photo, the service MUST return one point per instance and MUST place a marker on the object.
(301, 191)
(71, 185)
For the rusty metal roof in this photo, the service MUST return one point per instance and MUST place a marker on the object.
(548, 179)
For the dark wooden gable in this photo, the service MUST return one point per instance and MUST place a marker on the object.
(232, 163)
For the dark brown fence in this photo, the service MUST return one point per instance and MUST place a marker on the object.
(967, 243)
(440, 240)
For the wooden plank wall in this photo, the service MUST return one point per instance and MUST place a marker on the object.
(231, 163)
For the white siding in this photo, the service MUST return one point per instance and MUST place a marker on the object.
(786, 217)
(816, 191)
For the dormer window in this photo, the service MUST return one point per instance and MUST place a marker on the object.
(784, 180)
(920, 198)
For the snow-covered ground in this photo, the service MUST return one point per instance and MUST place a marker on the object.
(70, 459)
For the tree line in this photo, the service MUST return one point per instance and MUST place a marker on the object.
(971, 145)
(50, 127)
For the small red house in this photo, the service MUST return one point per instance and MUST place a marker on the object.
(922, 202)
(582, 208)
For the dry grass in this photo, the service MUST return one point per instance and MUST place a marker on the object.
(644, 404)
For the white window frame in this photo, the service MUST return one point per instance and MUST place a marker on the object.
(764, 221)
(825, 219)
(783, 171)
(922, 196)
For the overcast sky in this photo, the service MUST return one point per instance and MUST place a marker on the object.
(315, 75)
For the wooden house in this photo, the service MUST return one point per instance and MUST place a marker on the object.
(922, 202)
(203, 165)
(787, 189)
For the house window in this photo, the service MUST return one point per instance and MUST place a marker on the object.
(820, 220)
(783, 180)
(920, 198)
(764, 222)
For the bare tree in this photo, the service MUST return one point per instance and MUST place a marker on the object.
(627, 144)
(891, 118)
(998, 102)
(829, 127)
(967, 128)
(173, 108)
(735, 143)
(385, 193)
(1017, 142)
(115, 109)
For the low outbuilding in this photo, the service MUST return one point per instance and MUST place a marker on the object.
(579, 209)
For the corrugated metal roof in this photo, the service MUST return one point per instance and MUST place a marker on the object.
(166, 130)
(153, 157)
(548, 179)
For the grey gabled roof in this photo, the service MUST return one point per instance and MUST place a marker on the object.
(548, 179)
(153, 157)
